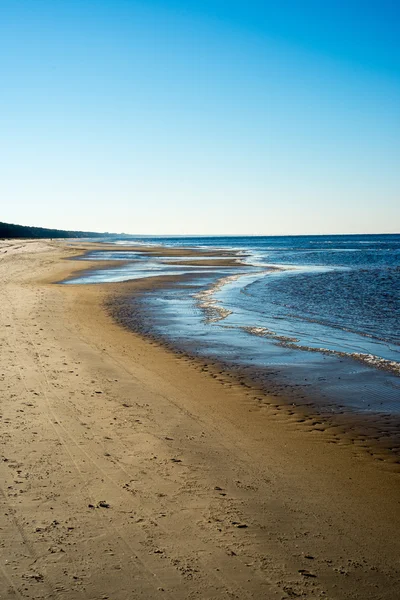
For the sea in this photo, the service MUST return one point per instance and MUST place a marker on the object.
(314, 317)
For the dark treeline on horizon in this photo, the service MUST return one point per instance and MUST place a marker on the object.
(9, 230)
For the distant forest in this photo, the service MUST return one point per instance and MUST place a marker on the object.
(8, 230)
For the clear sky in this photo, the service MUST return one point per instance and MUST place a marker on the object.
(207, 116)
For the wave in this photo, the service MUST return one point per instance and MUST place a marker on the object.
(212, 308)
(214, 312)
(265, 332)
(369, 359)
(209, 305)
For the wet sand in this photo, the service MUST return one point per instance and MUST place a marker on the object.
(376, 434)
(128, 471)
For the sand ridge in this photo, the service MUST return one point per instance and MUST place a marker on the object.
(128, 472)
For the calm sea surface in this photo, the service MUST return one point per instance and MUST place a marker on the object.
(325, 308)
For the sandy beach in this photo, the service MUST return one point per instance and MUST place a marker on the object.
(128, 471)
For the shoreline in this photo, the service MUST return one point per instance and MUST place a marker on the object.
(371, 432)
(195, 257)
(376, 433)
(209, 492)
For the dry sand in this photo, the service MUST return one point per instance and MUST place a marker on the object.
(128, 472)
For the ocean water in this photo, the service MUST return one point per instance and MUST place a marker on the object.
(321, 309)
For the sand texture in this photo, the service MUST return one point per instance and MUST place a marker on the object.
(130, 472)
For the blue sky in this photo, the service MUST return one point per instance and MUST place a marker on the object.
(200, 117)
